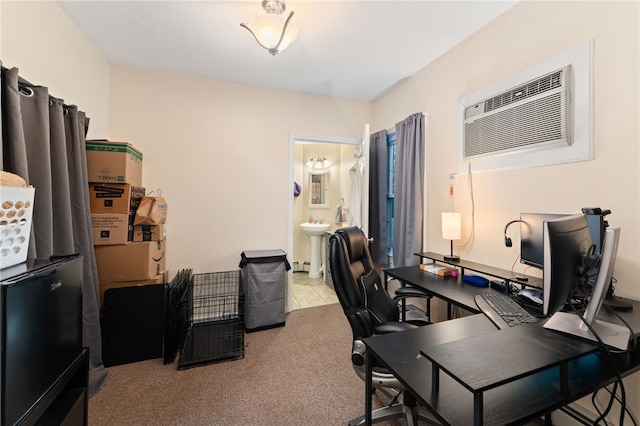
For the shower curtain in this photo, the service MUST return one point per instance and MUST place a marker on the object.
(43, 141)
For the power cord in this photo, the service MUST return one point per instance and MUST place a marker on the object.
(618, 382)
(513, 265)
(473, 206)
(612, 393)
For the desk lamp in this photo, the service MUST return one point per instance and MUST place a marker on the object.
(451, 230)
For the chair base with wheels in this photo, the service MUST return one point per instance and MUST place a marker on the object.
(370, 310)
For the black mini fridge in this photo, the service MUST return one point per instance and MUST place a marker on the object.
(40, 331)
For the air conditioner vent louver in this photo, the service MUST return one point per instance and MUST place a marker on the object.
(533, 114)
(530, 89)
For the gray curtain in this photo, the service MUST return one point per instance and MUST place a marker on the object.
(43, 141)
(408, 191)
(378, 197)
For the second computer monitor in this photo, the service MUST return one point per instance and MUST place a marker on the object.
(531, 237)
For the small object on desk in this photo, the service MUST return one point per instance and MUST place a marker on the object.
(532, 294)
(497, 285)
(618, 305)
(454, 273)
(475, 280)
(432, 268)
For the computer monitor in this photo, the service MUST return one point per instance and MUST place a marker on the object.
(611, 334)
(597, 227)
(531, 237)
(567, 242)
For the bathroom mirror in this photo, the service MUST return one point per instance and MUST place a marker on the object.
(319, 189)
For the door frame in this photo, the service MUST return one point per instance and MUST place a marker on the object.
(293, 137)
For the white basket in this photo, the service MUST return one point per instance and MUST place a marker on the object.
(16, 209)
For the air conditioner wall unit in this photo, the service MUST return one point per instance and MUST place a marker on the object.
(531, 115)
(541, 116)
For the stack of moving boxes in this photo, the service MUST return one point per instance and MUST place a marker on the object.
(127, 255)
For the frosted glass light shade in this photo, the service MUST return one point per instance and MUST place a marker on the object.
(451, 226)
(267, 29)
(318, 163)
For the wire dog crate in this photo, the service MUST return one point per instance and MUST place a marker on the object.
(214, 308)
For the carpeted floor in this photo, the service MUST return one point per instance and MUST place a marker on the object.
(297, 374)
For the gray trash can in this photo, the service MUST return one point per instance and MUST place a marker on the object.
(264, 277)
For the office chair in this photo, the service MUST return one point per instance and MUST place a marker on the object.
(371, 310)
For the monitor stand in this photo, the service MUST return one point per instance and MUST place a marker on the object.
(613, 335)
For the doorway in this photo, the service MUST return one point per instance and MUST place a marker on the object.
(341, 153)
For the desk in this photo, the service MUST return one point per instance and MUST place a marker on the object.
(515, 402)
(452, 290)
(518, 398)
(491, 271)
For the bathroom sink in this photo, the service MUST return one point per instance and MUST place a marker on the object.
(316, 229)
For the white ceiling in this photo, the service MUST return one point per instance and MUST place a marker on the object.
(350, 49)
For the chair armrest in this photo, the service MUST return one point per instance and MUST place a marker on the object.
(392, 327)
(404, 292)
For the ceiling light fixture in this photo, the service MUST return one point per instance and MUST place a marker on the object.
(273, 30)
(318, 163)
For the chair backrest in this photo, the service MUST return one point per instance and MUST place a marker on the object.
(358, 286)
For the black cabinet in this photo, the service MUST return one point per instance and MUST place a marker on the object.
(44, 369)
(132, 324)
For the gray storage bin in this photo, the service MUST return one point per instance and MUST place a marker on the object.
(264, 278)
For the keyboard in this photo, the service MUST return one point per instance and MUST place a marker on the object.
(502, 310)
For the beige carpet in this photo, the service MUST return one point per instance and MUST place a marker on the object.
(297, 374)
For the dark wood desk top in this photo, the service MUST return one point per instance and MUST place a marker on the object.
(499, 358)
(456, 292)
(515, 402)
(450, 289)
(483, 269)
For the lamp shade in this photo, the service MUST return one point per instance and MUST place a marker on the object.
(451, 226)
(268, 28)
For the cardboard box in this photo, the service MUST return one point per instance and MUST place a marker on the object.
(110, 229)
(115, 198)
(439, 270)
(131, 261)
(113, 162)
(158, 279)
(148, 232)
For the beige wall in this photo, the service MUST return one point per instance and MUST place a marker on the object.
(48, 49)
(220, 154)
(526, 34)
